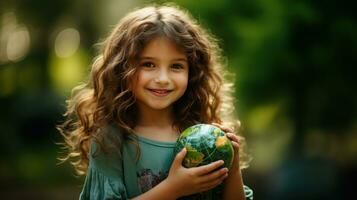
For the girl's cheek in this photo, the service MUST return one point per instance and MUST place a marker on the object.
(183, 78)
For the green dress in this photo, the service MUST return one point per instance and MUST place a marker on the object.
(111, 176)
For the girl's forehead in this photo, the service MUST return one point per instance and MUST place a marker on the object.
(162, 46)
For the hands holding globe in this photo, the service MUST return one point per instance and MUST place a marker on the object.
(205, 154)
(186, 181)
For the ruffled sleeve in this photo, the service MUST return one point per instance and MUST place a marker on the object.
(99, 186)
(104, 178)
(248, 192)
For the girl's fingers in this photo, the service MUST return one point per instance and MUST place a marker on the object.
(208, 168)
(235, 146)
(229, 132)
(213, 184)
(214, 175)
(223, 128)
(179, 158)
(232, 136)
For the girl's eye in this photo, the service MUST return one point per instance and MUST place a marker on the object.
(148, 65)
(177, 66)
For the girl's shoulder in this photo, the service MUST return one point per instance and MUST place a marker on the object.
(111, 131)
(107, 142)
(105, 152)
(108, 135)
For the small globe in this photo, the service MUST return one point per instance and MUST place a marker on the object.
(205, 143)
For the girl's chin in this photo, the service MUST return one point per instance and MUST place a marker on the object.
(160, 106)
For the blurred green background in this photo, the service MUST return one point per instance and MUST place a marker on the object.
(294, 63)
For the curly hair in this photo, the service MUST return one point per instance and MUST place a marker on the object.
(107, 97)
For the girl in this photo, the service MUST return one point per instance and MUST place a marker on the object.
(158, 74)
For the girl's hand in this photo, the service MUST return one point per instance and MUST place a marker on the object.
(234, 138)
(186, 181)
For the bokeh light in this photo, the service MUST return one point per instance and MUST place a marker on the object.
(67, 72)
(14, 39)
(67, 42)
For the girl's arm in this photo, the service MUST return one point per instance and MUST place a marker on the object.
(185, 181)
(233, 189)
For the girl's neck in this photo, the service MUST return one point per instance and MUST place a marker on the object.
(155, 118)
(156, 125)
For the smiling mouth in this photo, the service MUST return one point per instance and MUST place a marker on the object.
(160, 92)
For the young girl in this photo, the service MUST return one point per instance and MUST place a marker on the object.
(158, 74)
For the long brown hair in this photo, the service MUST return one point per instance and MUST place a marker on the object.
(107, 99)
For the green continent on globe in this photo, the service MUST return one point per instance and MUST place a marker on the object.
(205, 143)
(193, 157)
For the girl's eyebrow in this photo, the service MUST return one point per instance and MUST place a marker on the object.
(153, 58)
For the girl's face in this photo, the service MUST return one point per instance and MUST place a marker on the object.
(162, 75)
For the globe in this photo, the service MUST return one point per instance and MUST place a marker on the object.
(205, 143)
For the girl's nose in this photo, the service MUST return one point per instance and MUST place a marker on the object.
(162, 77)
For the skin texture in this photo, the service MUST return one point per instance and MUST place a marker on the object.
(162, 67)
